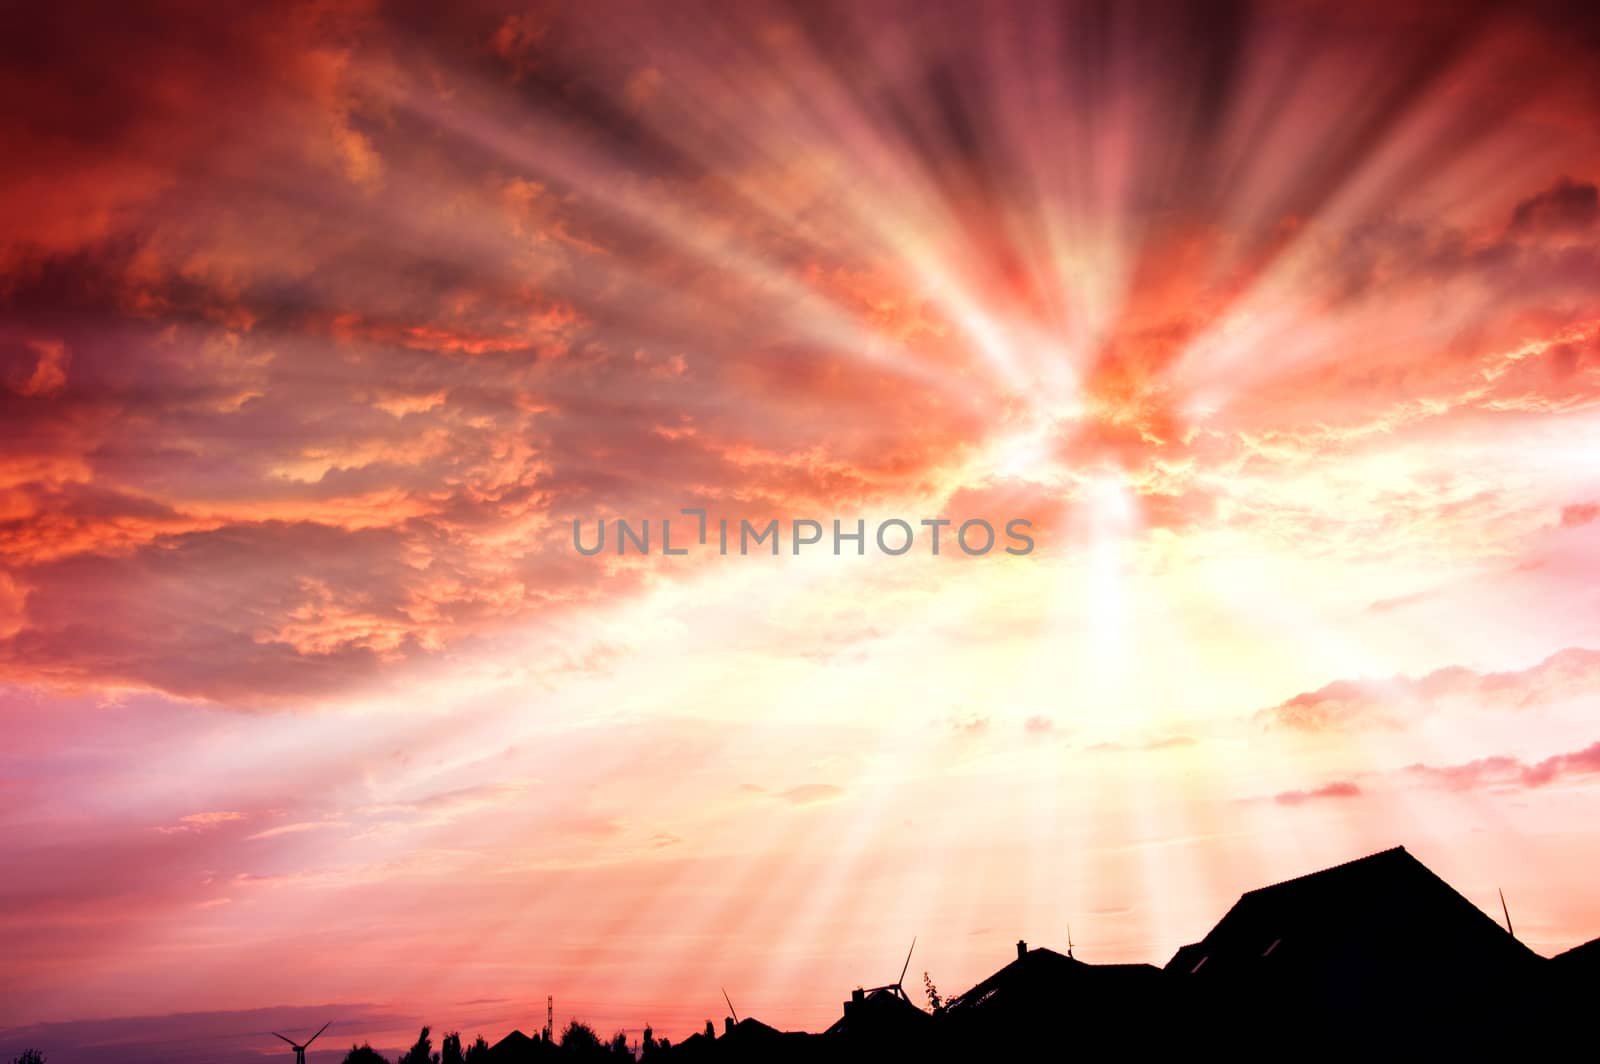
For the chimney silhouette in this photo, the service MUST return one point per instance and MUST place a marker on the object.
(727, 1024)
(1022, 949)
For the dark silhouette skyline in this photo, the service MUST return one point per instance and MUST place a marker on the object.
(1375, 952)
(1376, 946)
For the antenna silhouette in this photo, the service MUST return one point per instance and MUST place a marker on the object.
(1507, 911)
(729, 1000)
(300, 1050)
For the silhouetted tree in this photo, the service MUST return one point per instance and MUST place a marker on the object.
(648, 1046)
(364, 1054)
(29, 1056)
(422, 1052)
(935, 1002)
(619, 1046)
(450, 1049)
(478, 1051)
(580, 1042)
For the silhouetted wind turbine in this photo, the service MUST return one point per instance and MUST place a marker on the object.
(729, 1000)
(905, 967)
(895, 986)
(300, 1051)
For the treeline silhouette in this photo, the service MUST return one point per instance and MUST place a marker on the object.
(578, 1042)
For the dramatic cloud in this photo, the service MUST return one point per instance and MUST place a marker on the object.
(429, 345)
(321, 324)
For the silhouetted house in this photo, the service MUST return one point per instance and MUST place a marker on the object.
(698, 1046)
(1377, 945)
(1575, 979)
(1044, 1000)
(752, 1040)
(1374, 958)
(516, 1048)
(1580, 963)
(877, 1024)
(879, 1013)
(747, 1040)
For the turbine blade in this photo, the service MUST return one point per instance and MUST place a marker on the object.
(313, 1038)
(277, 1035)
(907, 967)
(1507, 911)
(729, 1000)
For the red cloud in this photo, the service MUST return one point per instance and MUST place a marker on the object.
(1503, 771)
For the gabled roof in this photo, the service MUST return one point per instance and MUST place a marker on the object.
(1041, 975)
(880, 1012)
(514, 1040)
(517, 1047)
(1584, 959)
(1382, 913)
(750, 1037)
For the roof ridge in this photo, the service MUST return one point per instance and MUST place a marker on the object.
(1331, 868)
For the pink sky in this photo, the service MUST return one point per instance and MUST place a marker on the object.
(320, 326)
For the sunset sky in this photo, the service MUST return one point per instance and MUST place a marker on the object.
(321, 323)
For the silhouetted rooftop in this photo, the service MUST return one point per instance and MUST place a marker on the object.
(1384, 912)
(1375, 947)
(879, 1013)
(517, 1047)
(1584, 959)
(514, 1040)
(1044, 975)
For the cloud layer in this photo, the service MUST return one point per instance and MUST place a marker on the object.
(320, 325)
